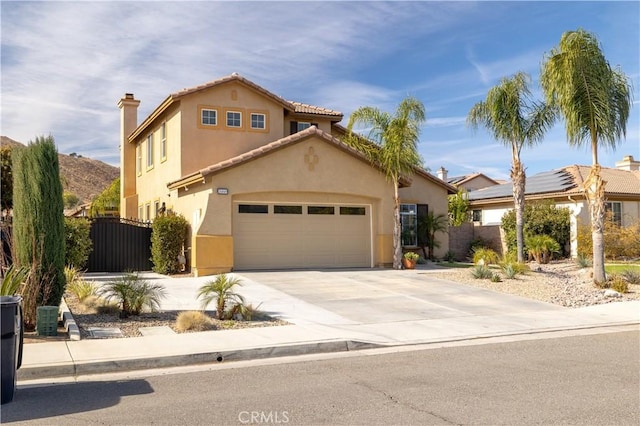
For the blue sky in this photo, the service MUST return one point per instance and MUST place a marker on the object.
(66, 64)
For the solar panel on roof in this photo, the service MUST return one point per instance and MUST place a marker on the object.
(549, 181)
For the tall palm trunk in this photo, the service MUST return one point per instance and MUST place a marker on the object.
(594, 190)
(518, 178)
(397, 229)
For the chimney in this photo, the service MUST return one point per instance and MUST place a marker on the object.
(628, 163)
(442, 173)
(128, 123)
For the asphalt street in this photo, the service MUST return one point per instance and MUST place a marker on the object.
(586, 379)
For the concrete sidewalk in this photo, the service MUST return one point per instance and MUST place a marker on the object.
(315, 329)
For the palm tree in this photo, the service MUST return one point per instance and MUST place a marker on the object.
(516, 121)
(428, 225)
(394, 149)
(595, 101)
(220, 290)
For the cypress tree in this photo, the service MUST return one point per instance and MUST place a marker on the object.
(38, 219)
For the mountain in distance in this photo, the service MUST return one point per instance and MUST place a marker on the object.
(83, 176)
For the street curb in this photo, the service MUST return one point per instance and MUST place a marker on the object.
(69, 323)
(72, 369)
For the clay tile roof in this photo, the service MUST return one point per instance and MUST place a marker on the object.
(617, 181)
(237, 77)
(311, 109)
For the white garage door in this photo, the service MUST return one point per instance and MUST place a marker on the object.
(272, 236)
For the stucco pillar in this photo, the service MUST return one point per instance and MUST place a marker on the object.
(128, 123)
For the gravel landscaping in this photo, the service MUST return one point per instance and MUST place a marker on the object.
(561, 283)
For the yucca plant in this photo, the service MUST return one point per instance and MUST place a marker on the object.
(12, 280)
(630, 276)
(133, 294)
(481, 272)
(221, 291)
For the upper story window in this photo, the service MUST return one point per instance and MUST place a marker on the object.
(150, 151)
(298, 126)
(163, 141)
(614, 209)
(476, 215)
(234, 119)
(258, 121)
(209, 117)
(139, 159)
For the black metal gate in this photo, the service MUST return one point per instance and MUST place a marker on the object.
(119, 245)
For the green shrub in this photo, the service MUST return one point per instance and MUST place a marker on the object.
(247, 312)
(450, 256)
(631, 276)
(78, 244)
(541, 247)
(168, 236)
(540, 218)
(495, 278)
(487, 256)
(481, 272)
(194, 321)
(133, 294)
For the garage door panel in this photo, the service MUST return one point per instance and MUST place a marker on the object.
(267, 241)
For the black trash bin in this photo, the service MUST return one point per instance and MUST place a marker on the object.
(12, 341)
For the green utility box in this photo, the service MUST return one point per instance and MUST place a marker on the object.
(47, 320)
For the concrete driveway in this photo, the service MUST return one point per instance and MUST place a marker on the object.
(369, 296)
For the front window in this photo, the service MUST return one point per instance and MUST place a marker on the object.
(209, 117)
(234, 119)
(614, 210)
(258, 121)
(150, 151)
(409, 224)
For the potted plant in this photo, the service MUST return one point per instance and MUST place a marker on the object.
(409, 260)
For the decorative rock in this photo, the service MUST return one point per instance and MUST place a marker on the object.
(611, 293)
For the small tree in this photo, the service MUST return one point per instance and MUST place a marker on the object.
(221, 291)
(428, 226)
(77, 241)
(459, 207)
(168, 236)
(38, 221)
(107, 201)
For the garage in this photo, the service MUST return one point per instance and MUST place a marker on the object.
(301, 235)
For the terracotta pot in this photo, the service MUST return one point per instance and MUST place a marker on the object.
(409, 264)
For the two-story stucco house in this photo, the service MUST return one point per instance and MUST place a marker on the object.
(264, 182)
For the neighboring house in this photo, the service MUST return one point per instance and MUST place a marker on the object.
(564, 186)
(264, 182)
(470, 182)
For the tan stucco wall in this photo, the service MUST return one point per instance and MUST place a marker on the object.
(336, 177)
(423, 191)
